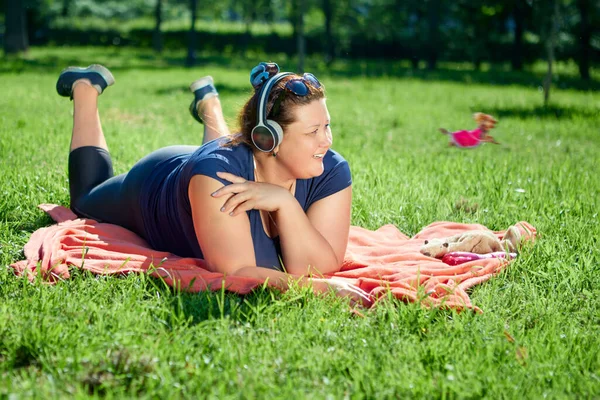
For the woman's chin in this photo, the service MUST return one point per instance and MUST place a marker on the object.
(312, 169)
(317, 169)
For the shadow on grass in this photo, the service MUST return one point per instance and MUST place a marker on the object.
(117, 59)
(496, 76)
(540, 112)
(207, 305)
(144, 59)
(223, 88)
(192, 308)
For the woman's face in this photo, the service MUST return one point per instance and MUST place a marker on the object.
(306, 141)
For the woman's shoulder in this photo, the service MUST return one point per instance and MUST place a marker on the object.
(334, 160)
(223, 146)
(336, 176)
(219, 155)
(222, 149)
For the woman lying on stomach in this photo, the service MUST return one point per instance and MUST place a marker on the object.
(271, 202)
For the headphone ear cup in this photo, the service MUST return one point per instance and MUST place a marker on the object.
(263, 138)
(277, 131)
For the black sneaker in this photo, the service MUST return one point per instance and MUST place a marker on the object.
(203, 88)
(99, 76)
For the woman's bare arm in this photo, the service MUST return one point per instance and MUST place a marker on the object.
(227, 245)
(225, 241)
(315, 242)
(282, 281)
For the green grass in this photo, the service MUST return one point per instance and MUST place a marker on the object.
(132, 337)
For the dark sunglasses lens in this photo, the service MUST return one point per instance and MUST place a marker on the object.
(311, 79)
(297, 87)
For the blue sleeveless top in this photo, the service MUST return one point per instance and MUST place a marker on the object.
(166, 209)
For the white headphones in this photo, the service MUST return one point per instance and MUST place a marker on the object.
(267, 134)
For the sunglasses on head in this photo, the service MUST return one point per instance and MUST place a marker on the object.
(297, 86)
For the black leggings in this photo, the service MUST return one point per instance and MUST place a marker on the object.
(97, 194)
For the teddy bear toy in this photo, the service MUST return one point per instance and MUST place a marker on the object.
(469, 139)
(477, 241)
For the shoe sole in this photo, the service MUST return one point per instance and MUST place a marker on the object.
(103, 71)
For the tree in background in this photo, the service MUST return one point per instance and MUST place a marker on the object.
(434, 19)
(328, 11)
(341, 23)
(251, 12)
(547, 15)
(297, 18)
(66, 8)
(417, 35)
(191, 53)
(589, 11)
(475, 24)
(157, 42)
(518, 11)
(249, 15)
(15, 35)
(514, 31)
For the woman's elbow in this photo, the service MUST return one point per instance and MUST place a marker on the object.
(239, 272)
(225, 268)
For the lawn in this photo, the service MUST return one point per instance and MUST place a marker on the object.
(538, 336)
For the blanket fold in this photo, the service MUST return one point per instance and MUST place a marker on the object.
(381, 262)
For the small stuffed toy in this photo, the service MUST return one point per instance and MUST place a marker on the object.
(478, 242)
(461, 257)
(474, 138)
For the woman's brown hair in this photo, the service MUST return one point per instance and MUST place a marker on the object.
(283, 115)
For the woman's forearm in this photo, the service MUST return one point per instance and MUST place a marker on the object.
(278, 279)
(304, 249)
(282, 281)
(275, 278)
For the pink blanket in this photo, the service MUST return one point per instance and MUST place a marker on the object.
(379, 262)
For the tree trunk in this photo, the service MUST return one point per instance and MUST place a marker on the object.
(416, 18)
(329, 41)
(157, 42)
(433, 37)
(191, 54)
(517, 51)
(414, 62)
(550, 45)
(249, 17)
(15, 35)
(300, 40)
(66, 6)
(585, 37)
(270, 14)
(294, 17)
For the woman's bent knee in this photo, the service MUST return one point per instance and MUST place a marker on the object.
(89, 166)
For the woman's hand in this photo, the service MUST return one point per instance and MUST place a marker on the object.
(248, 195)
(343, 289)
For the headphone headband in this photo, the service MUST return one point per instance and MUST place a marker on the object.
(263, 97)
(267, 134)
